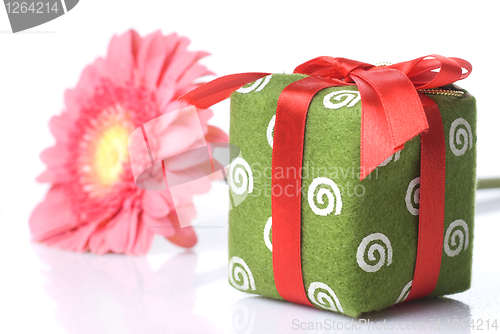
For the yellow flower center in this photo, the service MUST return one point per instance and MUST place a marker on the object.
(111, 151)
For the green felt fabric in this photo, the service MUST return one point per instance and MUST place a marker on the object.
(333, 259)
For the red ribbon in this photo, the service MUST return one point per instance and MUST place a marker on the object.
(393, 112)
(288, 135)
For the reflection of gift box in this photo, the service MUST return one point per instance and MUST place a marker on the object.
(358, 239)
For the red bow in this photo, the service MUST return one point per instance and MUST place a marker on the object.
(389, 100)
(392, 112)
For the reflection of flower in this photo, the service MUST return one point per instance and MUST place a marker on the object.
(120, 294)
(93, 203)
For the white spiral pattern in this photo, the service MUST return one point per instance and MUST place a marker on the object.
(347, 98)
(241, 177)
(405, 292)
(256, 85)
(240, 275)
(326, 300)
(450, 238)
(395, 156)
(270, 131)
(457, 136)
(375, 247)
(267, 233)
(332, 197)
(412, 198)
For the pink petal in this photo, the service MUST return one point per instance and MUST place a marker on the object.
(53, 216)
(139, 238)
(143, 240)
(150, 59)
(97, 241)
(184, 237)
(189, 164)
(133, 230)
(175, 132)
(126, 234)
(172, 106)
(55, 175)
(167, 197)
(90, 78)
(216, 135)
(171, 43)
(73, 100)
(165, 94)
(117, 230)
(169, 228)
(161, 226)
(182, 60)
(57, 171)
(59, 126)
(55, 156)
(195, 71)
(185, 192)
(136, 44)
(120, 60)
(75, 240)
(155, 204)
(204, 115)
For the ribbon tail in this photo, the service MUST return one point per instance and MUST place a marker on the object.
(391, 115)
(219, 89)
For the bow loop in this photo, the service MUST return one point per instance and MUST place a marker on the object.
(335, 68)
(422, 71)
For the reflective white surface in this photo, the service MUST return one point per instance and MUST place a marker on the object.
(176, 291)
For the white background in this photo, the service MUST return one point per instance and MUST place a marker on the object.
(44, 290)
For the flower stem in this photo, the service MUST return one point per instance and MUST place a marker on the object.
(488, 183)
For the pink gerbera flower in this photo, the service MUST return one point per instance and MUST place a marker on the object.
(93, 203)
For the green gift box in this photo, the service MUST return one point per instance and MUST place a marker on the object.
(358, 238)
